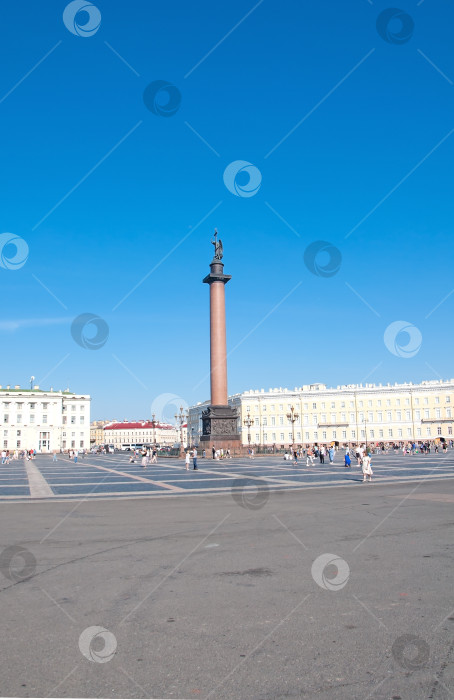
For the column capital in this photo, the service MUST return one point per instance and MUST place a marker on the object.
(217, 273)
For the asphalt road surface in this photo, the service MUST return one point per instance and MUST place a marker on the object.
(337, 591)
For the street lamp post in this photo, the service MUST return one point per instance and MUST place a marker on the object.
(248, 422)
(292, 416)
(181, 417)
(365, 430)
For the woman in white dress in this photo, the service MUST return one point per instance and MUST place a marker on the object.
(367, 469)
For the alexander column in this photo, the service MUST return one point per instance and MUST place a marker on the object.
(219, 420)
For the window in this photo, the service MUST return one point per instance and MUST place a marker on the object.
(352, 404)
(273, 420)
(448, 399)
(333, 405)
(379, 403)
(426, 413)
(5, 433)
(426, 401)
(264, 408)
(439, 431)
(18, 433)
(437, 413)
(32, 417)
(306, 406)
(333, 418)
(6, 418)
(418, 415)
(281, 420)
(399, 432)
(314, 406)
(380, 433)
(272, 407)
(360, 404)
(388, 415)
(428, 431)
(416, 401)
(32, 406)
(407, 415)
(82, 407)
(369, 403)
(334, 435)
(64, 420)
(449, 429)
(448, 413)
(248, 409)
(353, 434)
(290, 438)
(45, 405)
(315, 435)
(281, 407)
(370, 416)
(344, 434)
(418, 432)
(343, 417)
(324, 435)
(19, 418)
(298, 436)
(306, 419)
(399, 415)
(282, 437)
(343, 404)
(5, 444)
(390, 432)
(273, 437)
(323, 405)
(265, 437)
(44, 418)
(371, 433)
(408, 432)
(388, 402)
(363, 433)
(437, 399)
(73, 407)
(314, 419)
(17, 443)
(397, 402)
(323, 418)
(64, 434)
(407, 402)
(73, 420)
(306, 435)
(352, 417)
(264, 421)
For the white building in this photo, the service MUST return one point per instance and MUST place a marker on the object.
(44, 420)
(345, 414)
(129, 434)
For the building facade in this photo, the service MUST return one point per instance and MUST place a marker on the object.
(96, 431)
(44, 420)
(347, 414)
(129, 434)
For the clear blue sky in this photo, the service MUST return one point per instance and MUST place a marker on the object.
(393, 105)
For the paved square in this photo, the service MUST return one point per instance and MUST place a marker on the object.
(112, 476)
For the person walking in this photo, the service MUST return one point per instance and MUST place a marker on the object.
(194, 458)
(331, 454)
(76, 454)
(366, 467)
(295, 457)
(321, 454)
(310, 456)
(186, 460)
(144, 459)
(54, 456)
(348, 461)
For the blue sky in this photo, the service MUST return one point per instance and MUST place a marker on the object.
(106, 193)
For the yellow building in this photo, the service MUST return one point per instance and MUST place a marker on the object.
(347, 414)
(96, 431)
